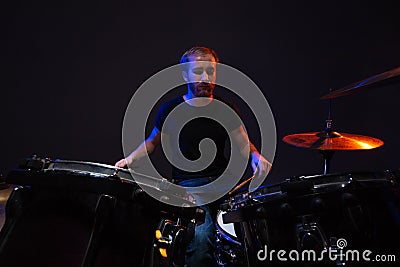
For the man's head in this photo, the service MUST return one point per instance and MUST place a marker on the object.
(199, 70)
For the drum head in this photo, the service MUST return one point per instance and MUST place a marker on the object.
(227, 229)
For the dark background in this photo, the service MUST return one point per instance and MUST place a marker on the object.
(71, 67)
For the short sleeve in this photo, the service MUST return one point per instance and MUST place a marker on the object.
(160, 117)
(233, 122)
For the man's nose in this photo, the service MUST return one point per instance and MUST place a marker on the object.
(205, 77)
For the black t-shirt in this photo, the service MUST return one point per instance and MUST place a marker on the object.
(196, 125)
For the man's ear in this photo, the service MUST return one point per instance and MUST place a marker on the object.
(185, 76)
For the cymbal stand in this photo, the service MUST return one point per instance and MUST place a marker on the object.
(327, 154)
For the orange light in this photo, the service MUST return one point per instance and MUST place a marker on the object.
(158, 234)
(163, 252)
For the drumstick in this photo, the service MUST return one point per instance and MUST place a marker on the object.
(241, 184)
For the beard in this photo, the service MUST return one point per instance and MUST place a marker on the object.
(202, 89)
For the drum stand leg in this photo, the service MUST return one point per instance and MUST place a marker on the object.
(248, 244)
(104, 207)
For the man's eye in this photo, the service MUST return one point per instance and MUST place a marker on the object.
(210, 71)
(198, 71)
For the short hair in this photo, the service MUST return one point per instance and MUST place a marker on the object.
(198, 50)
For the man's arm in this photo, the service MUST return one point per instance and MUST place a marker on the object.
(147, 147)
(259, 164)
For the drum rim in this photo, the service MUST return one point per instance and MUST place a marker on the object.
(321, 183)
(222, 231)
(142, 180)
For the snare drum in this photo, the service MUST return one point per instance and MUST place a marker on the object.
(314, 212)
(226, 229)
(229, 250)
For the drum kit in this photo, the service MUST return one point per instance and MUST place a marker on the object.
(72, 213)
(315, 212)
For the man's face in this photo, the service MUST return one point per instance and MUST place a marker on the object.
(201, 75)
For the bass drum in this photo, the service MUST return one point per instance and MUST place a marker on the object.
(348, 212)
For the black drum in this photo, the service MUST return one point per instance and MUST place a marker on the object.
(71, 213)
(321, 220)
(229, 249)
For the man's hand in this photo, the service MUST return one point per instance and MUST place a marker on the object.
(121, 164)
(261, 166)
(125, 162)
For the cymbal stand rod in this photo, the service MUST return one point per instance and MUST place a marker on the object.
(328, 126)
(327, 154)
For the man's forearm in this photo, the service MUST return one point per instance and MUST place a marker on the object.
(146, 148)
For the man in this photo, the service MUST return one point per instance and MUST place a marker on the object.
(199, 72)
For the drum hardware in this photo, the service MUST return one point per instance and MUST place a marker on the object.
(33, 163)
(310, 235)
(103, 213)
(115, 175)
(171, 238)
(224, 255)
(170, 242)
(297, 186)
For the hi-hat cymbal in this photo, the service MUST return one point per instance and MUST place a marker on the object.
(332, 141)
(355, 87)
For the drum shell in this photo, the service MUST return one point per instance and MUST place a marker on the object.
(364, 211)
(53, 227)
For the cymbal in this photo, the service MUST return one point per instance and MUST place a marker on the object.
(332, 141)
(357, 86)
